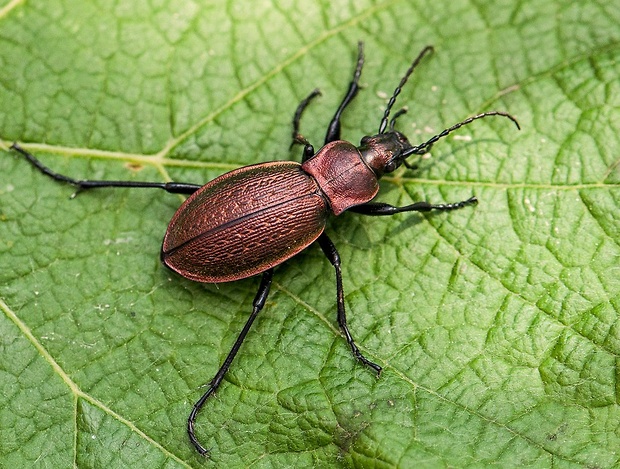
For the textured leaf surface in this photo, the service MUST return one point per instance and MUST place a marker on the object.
(497, 325)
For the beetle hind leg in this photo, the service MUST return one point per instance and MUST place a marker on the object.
(334, 258)
(258, 304)
(172, 187)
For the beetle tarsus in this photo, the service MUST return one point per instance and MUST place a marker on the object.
(364, 360)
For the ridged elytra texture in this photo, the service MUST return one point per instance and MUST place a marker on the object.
(244, 222)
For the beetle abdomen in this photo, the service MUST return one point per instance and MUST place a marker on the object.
(244, 222)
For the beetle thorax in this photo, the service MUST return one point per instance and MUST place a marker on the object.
(343, 176)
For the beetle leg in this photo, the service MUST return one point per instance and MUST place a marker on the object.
(332, 254)
(172, 187)
(333, 131)
(297, 137)
(379, 208)
(259, 302)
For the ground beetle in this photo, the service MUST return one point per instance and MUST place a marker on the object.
(250, 220)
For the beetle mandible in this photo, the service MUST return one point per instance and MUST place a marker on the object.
(248, 221)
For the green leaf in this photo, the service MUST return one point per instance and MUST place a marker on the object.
(497, 325)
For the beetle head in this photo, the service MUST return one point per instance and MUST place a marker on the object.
(383, 152)
(387, 150)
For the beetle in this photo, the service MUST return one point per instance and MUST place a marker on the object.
(250, 220)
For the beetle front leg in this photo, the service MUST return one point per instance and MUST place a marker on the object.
(259, 302)
(333, 131)
(382, 209)
(298, 137)
(332, 254)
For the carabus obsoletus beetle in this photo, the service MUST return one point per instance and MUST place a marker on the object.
(248, 221)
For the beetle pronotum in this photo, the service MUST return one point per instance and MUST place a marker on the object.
(248, 221)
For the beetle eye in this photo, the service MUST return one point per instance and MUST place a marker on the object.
(390, 166)
(365, 140)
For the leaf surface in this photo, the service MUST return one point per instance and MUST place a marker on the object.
(497, 326)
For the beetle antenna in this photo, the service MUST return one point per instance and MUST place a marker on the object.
(414, 64)
(421, 149)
